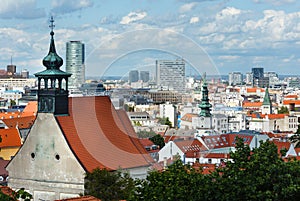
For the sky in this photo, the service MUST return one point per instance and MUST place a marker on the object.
(212, 36)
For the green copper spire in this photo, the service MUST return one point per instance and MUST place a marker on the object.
(52, 60)
(205, 105)
(267, 100)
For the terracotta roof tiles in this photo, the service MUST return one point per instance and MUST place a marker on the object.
(30, 109)
(100, 136)
(21, 122)
(10, 138)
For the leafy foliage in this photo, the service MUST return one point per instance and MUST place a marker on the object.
(16, 195)
(145, 134)
(296, 138)
(283, 110)
(178, 182)
(158, 140)
(108, 186)
(259, 174)
(165, 121)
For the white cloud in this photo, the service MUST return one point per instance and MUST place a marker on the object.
(228, 13)
(187, 7)
(194, 20)
(25, 9)
(133, 17)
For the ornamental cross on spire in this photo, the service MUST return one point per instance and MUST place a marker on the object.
(51, 23)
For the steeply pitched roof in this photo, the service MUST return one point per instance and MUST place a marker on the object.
(21, 122)
(3, 164)
(30, 109)
(267, 100)
(191, 147)
(10, 138)
(225, 140)
(100, 136)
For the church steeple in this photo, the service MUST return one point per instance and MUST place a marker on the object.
(52, 60)
(53, 82)
(267, 104)
(205, 106)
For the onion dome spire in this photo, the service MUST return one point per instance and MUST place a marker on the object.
(52, 60)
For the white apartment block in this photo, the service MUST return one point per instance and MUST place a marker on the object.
(18, 82)
(274, 122)
(170, 75)
(235, 78)
(168, 110)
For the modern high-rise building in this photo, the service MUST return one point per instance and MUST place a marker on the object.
(133, 76)
(170, 75)
(258, 74)
(144, 76)
(75, 56)
(235, 78)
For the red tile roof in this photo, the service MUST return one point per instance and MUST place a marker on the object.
(30, 109)
(100, 136)
(254, 90)
(252, 104)
(83, 198)
(225, 140)
(188, 117)
(291, 96)
(146, 142)
(282, 145)
(287, 102)
(8, 115)
(191, 147)
(3, 164)
(22, 122)
(6, 190)
(10, 138)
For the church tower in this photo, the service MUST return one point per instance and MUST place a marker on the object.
(53, 82)
(266, 107)
(205, 115)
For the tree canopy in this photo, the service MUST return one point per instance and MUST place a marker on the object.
(107, 185)
(258, 174)
(158, 140)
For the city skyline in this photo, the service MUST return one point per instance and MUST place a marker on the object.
(222, 35)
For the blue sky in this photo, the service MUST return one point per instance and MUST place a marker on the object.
(214, 36)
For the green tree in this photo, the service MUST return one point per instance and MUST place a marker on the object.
(283, 110)
(107, 185)
(158, 140)
(258, 174)
(296, 138)
(177, 182)
(145, 134)
(165, 121)
(16, 195)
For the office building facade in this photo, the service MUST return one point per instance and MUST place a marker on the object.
(258, 75)
(170, 75)
(133, 76)
(75, 58)
(144, 76)
(235, 78)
